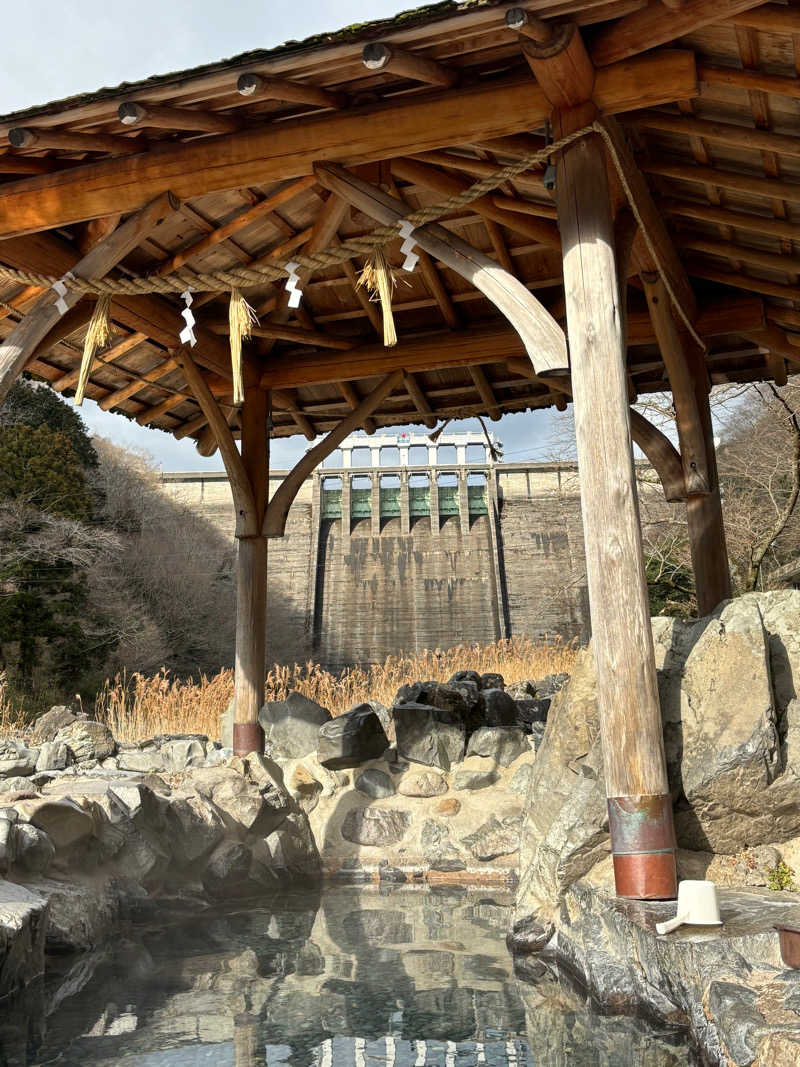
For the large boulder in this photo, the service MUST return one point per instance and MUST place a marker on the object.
(727, 686)
(291, 726)
(499, 708)
(258, 804)
(502, 744)
(47, 726)
(375, 826)
(351, 739)
(87, 740)
(16, 761)
(429, 735)
(64, 821)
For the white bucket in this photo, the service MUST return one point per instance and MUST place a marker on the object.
(698, 905)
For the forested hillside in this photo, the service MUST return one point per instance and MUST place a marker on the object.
(84, 589)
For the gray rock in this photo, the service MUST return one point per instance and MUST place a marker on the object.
(35, 850)
(148, 760)
(437, 845)
(259, 807)
(503, 744)
(550, 685)
(16, 761)
(8, 844)
(23, 922)
(47, 726)
(422, 784)
(465, 676)
(375, 826)
(375, 783)
(228, 871)
(292, 849)
(87, 740)
(492, 680)
(521, 690)
(291, 726)
(492, 839)
(194, 827)
(738, 1020)
(435, 695)
(351, 739)
(521, 782)
(53, 756)
(474, 779)
(180, 753)
(385, 716)
(499, 708)
(17, 785)
(429, 735)
(65, 822)
(532, 711)
(739, 786)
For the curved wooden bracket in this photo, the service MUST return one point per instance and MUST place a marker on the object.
(243, 498)
(687, 413)
(542, 336)
(18, 348)
(662, 455)
(278, 507)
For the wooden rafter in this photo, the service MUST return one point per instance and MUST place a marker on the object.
(290, 150)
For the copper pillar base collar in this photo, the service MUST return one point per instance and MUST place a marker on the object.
(247, 737)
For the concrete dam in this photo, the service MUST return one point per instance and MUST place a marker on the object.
(402, 543)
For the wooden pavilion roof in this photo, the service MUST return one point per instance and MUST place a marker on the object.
(706, 90)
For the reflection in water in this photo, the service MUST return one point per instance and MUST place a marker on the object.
(357, 977)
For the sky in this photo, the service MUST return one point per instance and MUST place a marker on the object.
(56, 49)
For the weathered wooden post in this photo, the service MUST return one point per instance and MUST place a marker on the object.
(639, 802)
(689, 383)
(251, 580)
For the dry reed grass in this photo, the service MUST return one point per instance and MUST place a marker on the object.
(137, 706)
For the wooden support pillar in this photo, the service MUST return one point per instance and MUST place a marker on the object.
(639, 803)
(712, 576)
(689, 382)
(251, 581)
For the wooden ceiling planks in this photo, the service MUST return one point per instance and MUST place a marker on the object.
(720, 156)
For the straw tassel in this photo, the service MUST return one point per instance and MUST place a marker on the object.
(98, 335)
(379, 281)
(241, 319)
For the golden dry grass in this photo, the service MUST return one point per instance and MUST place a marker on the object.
(136, 706)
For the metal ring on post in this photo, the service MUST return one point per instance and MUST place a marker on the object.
(643, 847)
(247, 737)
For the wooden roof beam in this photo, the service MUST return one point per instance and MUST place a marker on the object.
(544, 338)
(749, 80)
(774, 261)
(259, 86)
(486, 392)
(557, 57)
(750, 185)
(24, 137)
(276, 331)
(287, 400)
(280, 151)
(726, 133)
(419, 399)
(348, 391)
(381, 56)
(133, 113)
(13, 164)
(245, 218)
(20, 345)
(777, 342)
(278, 509)
(113, 352)
(119, 396)
(658, 24)
(417, 173)
(728, 218)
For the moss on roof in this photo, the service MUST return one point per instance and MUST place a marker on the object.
(357, 32)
